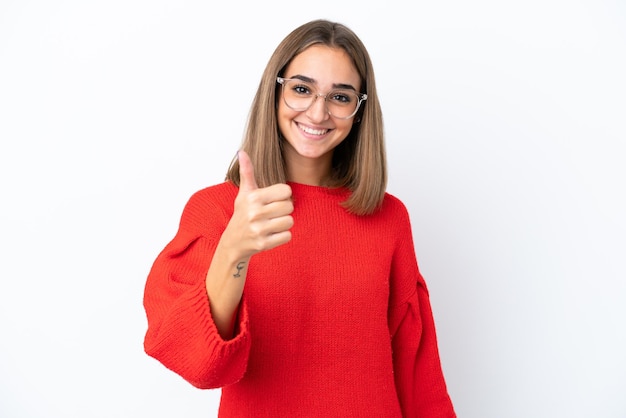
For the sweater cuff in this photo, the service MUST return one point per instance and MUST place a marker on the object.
(218, 362)
(230, 359)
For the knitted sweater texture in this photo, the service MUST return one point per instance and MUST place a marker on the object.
(335, 323)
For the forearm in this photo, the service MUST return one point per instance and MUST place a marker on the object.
(224, 283)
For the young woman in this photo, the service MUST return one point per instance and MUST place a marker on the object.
(293, 285)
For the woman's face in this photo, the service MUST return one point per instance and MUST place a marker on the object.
(311, 135)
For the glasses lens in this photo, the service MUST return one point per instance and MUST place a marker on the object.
(299, 96)
(342, 103)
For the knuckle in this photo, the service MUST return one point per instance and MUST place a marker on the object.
(255, 231)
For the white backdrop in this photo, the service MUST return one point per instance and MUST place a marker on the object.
(505, 124)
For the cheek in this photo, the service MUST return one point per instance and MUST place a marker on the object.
(284, 116)
(344, 126)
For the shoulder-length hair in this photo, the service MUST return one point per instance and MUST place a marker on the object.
(359, 161)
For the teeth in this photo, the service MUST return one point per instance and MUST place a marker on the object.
(313, 131)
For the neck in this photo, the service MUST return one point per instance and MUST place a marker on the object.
(308, 175)
(313, 172)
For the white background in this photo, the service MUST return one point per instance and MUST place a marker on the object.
(505, 128)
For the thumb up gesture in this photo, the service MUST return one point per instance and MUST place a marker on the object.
(262, 216)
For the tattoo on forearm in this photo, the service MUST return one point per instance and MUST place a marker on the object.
(240, 266)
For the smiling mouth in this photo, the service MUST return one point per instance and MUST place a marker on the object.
(312, 131)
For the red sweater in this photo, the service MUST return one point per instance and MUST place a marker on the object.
(335, 323)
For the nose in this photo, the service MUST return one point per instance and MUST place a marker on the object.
(318, 111)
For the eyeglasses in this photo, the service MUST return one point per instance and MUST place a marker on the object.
(300, 96)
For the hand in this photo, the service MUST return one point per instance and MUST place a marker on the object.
(262, 216)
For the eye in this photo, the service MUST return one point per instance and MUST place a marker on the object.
(342, 97)
(301, 89)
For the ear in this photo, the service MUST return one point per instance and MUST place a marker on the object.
(357, 119)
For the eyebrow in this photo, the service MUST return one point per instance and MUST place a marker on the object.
(312, 81)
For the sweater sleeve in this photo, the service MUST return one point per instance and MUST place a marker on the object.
(181, 333)
(418, 374)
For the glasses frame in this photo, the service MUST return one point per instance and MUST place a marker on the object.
(360, 96)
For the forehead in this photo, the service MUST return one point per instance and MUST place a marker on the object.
(325, 65)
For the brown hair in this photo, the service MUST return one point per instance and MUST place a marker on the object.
(359, 161)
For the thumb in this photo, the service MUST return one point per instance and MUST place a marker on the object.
(246, 172)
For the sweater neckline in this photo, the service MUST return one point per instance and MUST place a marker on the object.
(311, 189)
